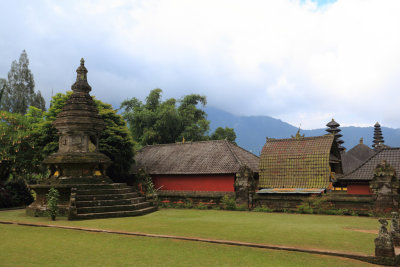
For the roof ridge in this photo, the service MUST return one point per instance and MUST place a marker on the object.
(301, 138)
(241, 148)
(180, 143)
(231, 150)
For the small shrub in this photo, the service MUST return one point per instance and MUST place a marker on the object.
(180, 204)
(305, 208)
(242, 207)
(52, 203)
(263, 209)
(165, 204)
(188, 204)
(201, 206)
(228, 203)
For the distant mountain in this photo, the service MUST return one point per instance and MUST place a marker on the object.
(251, 131)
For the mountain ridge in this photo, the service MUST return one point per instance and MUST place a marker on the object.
(251, 131)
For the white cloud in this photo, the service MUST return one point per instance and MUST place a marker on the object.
(294, 60)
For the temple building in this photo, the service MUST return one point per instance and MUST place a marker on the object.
(204, 169)
(359, 180)
(78, 169)
(354, 157)
(304, 165)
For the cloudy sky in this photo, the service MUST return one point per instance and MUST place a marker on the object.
(300, 61)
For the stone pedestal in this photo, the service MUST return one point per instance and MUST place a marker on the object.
(244, 186)
(395, 229)
(383, 243)
(385, 186)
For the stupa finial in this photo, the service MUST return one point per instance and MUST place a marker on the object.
(81, 84)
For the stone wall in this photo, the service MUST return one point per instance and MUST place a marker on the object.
(361, 204)
(206, 197)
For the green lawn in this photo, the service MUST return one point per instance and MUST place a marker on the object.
(36, 246)
(306, 231)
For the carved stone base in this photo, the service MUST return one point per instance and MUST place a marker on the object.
(384, 252)
(396, 239)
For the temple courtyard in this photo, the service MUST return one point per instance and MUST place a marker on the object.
(182, 237)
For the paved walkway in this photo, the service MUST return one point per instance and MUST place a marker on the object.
(363, 257)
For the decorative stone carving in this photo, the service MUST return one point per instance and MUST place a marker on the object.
(385, 186)
(395, 229)
(383, 243)
(244, 186)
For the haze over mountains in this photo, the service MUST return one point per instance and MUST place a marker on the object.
(251, 131)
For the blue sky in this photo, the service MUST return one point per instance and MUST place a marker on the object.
(301, 61)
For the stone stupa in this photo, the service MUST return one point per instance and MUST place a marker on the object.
(78, 169)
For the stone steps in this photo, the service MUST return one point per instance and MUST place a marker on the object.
(101, 209)
(108, 200)
(115, 214)
(107, 197)
(104, 191)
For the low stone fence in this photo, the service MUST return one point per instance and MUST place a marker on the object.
(332, 201)
(205, 197)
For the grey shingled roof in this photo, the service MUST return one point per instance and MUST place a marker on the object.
(356, 156)
(365, 172)
(205, 157)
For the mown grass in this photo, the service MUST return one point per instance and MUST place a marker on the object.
(36, 246)
(306, 231)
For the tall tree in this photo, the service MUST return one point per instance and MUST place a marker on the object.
(158, 122)
(20, 89)
(3, 93)
(224, 133)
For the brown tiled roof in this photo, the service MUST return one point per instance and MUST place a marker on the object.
(366, 170)
(355, 157)
(206, 157)
(296, 162)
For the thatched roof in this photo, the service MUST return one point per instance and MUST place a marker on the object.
(205, 157)
(356, 156)
(365, 172)
(297, 162)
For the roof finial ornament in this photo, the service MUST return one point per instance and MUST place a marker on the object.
(81, 84)
(361, 140)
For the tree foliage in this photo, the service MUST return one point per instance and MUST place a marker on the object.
(115, 140)
(17, 150)
(19, 91)
(224, 133)
(158, 122)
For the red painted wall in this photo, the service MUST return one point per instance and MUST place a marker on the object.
(195, 182)
(360, 189)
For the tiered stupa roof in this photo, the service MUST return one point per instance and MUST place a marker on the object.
(333, 128)
(378, 137)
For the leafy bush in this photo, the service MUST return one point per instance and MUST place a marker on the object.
(305, 208)
(263, 209)
(242, 207)
(202, 206)
(188, 204)
(15, 193)
(52, 203)
(228, 203)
